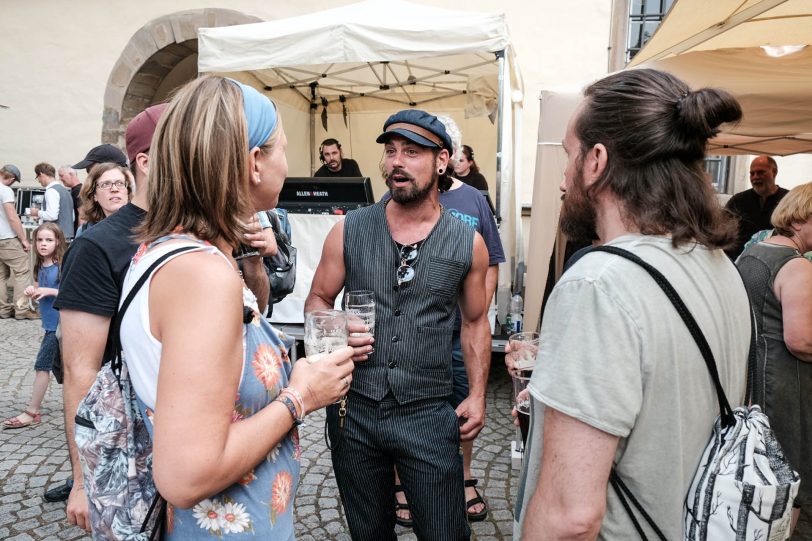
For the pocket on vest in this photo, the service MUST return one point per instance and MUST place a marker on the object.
(445, 276)
(438, 355)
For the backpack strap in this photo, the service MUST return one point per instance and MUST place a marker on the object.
(724, 406)
(115, 338)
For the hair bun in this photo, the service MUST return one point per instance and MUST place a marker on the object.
(703, 111)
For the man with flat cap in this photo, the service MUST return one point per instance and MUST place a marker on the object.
(421, 263)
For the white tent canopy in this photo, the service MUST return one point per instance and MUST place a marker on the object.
(346, 64)
(722, 44)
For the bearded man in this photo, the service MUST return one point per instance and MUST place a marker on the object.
(421, 263)
(619, 383)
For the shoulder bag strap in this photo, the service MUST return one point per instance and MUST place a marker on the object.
(119, 315)
(724, 406)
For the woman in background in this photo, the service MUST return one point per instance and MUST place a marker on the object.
(467, 170)
(107, 188)
(779, 281)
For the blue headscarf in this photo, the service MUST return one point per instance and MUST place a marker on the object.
(260, 114)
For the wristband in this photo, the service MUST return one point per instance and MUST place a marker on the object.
(298, 396)
(284, 399)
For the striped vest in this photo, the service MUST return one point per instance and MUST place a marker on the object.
(413, 324)
(66, 216)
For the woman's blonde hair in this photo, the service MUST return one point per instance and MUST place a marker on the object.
(91, 211)
(794, 208)
(198, 171)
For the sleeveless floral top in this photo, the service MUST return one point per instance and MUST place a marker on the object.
(260, 505)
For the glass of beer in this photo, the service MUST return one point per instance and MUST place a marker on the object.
(325, 332)
(360, 308)
(524, 348)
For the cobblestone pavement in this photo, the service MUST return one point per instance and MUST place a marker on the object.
(34, 459)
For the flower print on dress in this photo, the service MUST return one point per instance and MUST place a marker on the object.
(281, 493)
(267, 365)
(273, 454)
(209, 515)
(235, 519)
(247, 478)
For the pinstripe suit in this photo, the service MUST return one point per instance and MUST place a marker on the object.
(398, 412)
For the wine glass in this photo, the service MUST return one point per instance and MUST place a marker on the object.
(325, 332)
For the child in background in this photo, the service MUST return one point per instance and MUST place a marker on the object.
(50, 245)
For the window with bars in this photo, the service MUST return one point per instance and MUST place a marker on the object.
(644, 18)
(718, 168)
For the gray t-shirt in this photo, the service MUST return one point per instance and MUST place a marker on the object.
(615, 355)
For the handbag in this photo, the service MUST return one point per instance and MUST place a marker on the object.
(281, 268)
(744, 487)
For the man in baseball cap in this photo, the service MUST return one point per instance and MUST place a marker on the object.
(92, 271)
(101, 154)
(421, 263)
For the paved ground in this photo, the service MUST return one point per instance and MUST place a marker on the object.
(35, 458)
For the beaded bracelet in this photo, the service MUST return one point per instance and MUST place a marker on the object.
(298, 396)
(284, 399)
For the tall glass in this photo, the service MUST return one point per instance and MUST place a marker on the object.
(325, 332)
(360, 308)
(524, 348)
(522, 403)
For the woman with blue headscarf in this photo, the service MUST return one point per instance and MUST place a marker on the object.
(213, 377)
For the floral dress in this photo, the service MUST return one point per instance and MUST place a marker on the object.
(260, 505)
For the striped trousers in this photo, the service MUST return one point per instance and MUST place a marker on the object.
(422, 439)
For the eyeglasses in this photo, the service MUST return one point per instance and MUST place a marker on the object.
(405, 272)
(108, 184)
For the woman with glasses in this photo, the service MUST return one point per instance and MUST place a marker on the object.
(107, 188)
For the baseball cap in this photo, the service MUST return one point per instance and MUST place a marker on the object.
(11, 170)
(101, 154)
(140, 129)
(417, 126)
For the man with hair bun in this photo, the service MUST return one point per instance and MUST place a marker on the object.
(619, 382)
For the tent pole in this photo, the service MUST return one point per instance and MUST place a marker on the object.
(500, 58)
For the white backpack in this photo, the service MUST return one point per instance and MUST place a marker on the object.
(744, 486)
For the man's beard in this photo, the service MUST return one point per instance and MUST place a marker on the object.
(578, 216)
(410, 193)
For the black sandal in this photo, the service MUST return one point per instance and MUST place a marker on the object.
(475, 517)
(405, 522)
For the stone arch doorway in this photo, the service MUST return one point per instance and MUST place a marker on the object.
(160, 56)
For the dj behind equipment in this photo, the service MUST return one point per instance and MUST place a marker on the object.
(336, 195)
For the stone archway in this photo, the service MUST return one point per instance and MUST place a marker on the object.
(159, 57)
